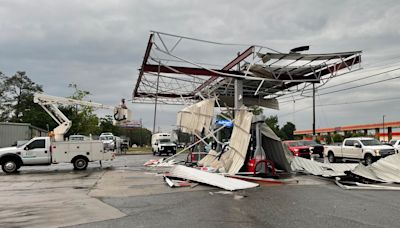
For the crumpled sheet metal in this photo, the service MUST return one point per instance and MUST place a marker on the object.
(320, 169)
(361, 186)
(239, 141)
(232, 160)
(194, 118)
(384, 170)
(213, 179)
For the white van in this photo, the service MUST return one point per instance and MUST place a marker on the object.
(161, 143)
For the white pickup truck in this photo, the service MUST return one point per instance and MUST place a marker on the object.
(367, 149)
(42, 151)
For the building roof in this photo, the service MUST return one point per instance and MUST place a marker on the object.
(350, 128)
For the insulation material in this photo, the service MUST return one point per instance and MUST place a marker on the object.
(320, 169)
(384, 170)
(213, 179)
(194, 118)
(239, 141)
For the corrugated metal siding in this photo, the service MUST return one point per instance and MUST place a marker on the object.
(213, 179)
(12, 132)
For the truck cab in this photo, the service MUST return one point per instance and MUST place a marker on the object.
(35, 152)
(162, 143)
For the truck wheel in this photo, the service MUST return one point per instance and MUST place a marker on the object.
(9, 166)
(154, 152)
(331, 157)
(80, 163)
(368, 159)
(321, 155)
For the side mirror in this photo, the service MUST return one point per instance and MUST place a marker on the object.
(26, 148)
(357, 145)
(156, 144)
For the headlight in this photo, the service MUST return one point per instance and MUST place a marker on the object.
(377, 152)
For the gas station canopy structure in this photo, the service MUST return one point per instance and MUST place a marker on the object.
(172, 75)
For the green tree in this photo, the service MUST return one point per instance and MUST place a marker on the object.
(272, 122)
(337, 138)
(256, 110)
(137, 135)
(16, 96)
(106, 125)
(84, 121)
(287, 130)
(285, 133)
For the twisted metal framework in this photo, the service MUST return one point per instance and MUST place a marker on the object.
(266, 73)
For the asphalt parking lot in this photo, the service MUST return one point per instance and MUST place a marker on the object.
(124, 193)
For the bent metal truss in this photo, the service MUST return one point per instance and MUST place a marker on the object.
(182, 70)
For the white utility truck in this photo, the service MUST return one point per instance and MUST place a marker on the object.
(367, 149)
(53, 150)
(161, 143)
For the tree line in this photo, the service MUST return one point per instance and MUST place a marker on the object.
(16, 105)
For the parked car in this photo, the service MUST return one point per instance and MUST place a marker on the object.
(315, 147)
(367, 149)
(298, 149)
(396, 144)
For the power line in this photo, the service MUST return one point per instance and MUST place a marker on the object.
(373, 75)
(348, 88)
(358, 86)
(342, 103)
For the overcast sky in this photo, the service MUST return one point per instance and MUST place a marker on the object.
(99, 46)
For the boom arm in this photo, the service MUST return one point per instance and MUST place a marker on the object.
(49, 104)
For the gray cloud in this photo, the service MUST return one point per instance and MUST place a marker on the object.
(99, 44)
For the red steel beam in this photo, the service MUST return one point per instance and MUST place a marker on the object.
(145, 58)
(186, 70)
(234, 62)
(169, 95)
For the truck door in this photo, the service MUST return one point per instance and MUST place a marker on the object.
(347, 149)
(36, 152)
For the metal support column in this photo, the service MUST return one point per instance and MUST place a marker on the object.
(155, 103)
(238, 94)
(313, 123)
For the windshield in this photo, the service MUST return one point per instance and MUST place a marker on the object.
(371, 142)
(165, 140)
(106, 138)
(392, 142)
(294, 144)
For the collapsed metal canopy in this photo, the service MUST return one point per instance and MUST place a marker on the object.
(171, 73)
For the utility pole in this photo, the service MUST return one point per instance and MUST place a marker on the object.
(155, 103)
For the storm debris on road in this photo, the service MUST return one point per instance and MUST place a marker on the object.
(213, 179)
